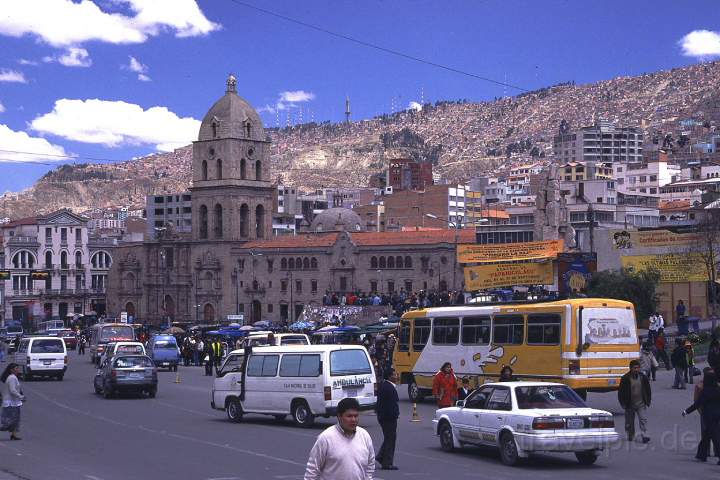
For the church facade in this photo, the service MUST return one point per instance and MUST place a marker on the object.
(232, 265)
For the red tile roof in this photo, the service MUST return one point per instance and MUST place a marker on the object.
(420, 237)
(21, 221)
(326, 239)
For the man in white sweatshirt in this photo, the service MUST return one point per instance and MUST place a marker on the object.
(345, 450)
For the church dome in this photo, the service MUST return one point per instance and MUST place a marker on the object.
(337, 219)
(231, 117)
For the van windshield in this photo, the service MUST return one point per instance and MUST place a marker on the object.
(160, 344)
(349, 362)
(47, 346)
(120, 332)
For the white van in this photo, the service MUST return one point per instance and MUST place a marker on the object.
(305, 381)
(42, 356)
(258, 340)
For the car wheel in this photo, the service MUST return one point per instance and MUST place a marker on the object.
(508, 449)
(446, 437)
(61, 376)
(586, 458)
(98, 390)
(107, 392)
(234, 410)
(301, 414)
(414, 392)
(280, 418)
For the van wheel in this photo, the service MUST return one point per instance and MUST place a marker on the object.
(586, 458)
(446, 437)
(61, 376)
(414, 392)
(234, 410)
(152, 393)
(508, 449)
(301, 414)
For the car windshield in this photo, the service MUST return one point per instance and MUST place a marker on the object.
(47, 346)
(130, 349)
(546, 397)
(349, 362)
(166, 344)
(117, 333)
(131, 362)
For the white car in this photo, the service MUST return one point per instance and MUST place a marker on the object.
(521, 418)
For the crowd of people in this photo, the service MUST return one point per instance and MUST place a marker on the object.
(401, 301)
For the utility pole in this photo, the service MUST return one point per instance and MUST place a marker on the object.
(591, 219)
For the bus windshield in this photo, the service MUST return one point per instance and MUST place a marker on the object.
(116, 333)
(608, 326)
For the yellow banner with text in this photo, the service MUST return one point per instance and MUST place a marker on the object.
(507, 252)
(673, 268)
(507, 275)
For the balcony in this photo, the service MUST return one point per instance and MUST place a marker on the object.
(34, 292)
(23, 240)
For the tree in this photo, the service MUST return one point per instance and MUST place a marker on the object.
(707, 248)
(638, 287)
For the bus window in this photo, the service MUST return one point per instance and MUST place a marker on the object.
(543, 329)
(404, 337)
(476, 330)
(446, 331)
(508, 329)
(421, 334)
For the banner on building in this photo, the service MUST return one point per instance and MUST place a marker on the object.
(624, 239)
(39, 274)
(574, 271)
(508, 275)
(673, 268)
(506, 252)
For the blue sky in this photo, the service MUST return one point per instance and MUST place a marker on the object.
(122, 78)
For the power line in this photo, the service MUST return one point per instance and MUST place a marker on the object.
(377, 47)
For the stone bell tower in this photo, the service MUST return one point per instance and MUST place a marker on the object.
(231, 189)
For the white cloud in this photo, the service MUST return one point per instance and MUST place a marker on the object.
(296, 96)
(24, 61)
(139, 68)
(288, 99)
(117, 123)
(12, 76)
(701, 44)
(73, 57)
(414, 106)
(39, 149)
(2, 107)
(64, 23)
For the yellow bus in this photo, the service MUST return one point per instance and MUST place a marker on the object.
(585, 343)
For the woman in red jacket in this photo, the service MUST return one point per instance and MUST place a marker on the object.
(445, 386)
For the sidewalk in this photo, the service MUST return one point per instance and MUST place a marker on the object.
(705, 326)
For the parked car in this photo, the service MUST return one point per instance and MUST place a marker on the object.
(42, 356)
(521, 418)
(126, 373)
(164, 351)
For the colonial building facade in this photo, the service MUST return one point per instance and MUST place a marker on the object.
(56, 270)
(232, 265)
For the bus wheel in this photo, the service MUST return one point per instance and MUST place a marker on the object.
(582, 393)
(414, 392)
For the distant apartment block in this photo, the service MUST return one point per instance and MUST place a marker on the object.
(407, 174)
(169, 210)
(602, 142)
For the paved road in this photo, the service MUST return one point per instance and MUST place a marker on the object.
(70, 433)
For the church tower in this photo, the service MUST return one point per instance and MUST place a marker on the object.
(231, 190)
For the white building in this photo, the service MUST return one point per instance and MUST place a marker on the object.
(645, 177)
(602, 142)
(53, 269)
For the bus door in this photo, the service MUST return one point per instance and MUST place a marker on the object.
(402, 360)
(543, 339)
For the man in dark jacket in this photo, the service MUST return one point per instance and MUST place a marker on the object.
(680, 363)
(388, 411)
(635, 395)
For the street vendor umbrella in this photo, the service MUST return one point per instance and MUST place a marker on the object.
(262, 323)
(174, 330)
(246, 328)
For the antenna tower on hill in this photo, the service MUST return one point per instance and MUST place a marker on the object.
(347, 109)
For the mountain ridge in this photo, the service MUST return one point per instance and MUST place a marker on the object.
(460, 138)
